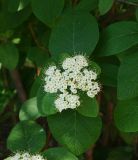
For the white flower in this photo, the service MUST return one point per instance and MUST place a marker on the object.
(26, 156)
(68, 64)
(75, 63)
(65, 101)
(52, 79)
(81, 61)
(90, 74)
(69, 80)
(50, 70)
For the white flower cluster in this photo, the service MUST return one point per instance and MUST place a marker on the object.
(73, 76)
(25, 156)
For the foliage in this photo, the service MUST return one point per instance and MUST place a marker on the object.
(35, 34)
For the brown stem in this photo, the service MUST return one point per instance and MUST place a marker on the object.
(5, 78)
(48, 139)
(74, 2)
(89, 154)
(18, 84)
(125, 15)
(128, 2)
(136, 146)
(114, 16)
(38, 43)
(49, 136)
(110, 17)
(108, 122)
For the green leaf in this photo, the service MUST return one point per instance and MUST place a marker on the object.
(9, 158)
(9, 55)
(26, 136)
(23, 4)
(118, 37)
(88, 107)
(17, 5)
(10, 20)
(59, 153)
(75, 33)
(105, 6)
(121, 153)
(47, 10)
(128, 77)
(95, 67)
(59, 60)
(109, 73)
(129, 138)
(126, 115)
(36, 85)
(29, 110)
(45, 102)
(87, 5)
(13, 5)
(38, 56)
(75, 131)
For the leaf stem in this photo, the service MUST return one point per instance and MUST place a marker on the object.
(18, 84)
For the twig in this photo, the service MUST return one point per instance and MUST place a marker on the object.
(112, 18)
(74, 2)
(125, 15)
(5, 78)
(18, 84)
(38, 43)
(128, 2)
(108, 122)
(136, 146)
(89, 154)
(48, 139)
(49, 136)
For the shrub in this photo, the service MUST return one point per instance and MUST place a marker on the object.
(69, 79)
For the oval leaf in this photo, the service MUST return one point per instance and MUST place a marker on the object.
(9, 55)
(88, 107)
(109, 74)
(38, 56)
(121, 153)
(128, 77)
(47, 10)
(59, 153)
(35, 87)
(95, 67)
(29, 110)
(129, 137)
(75, 33)
(45, 102)
(105, 6)
(26, 136)
(118, 37)
(126, 115)
(70, 129)
(9, 20)
(13, 5)
(87, 5)
(17, 5)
